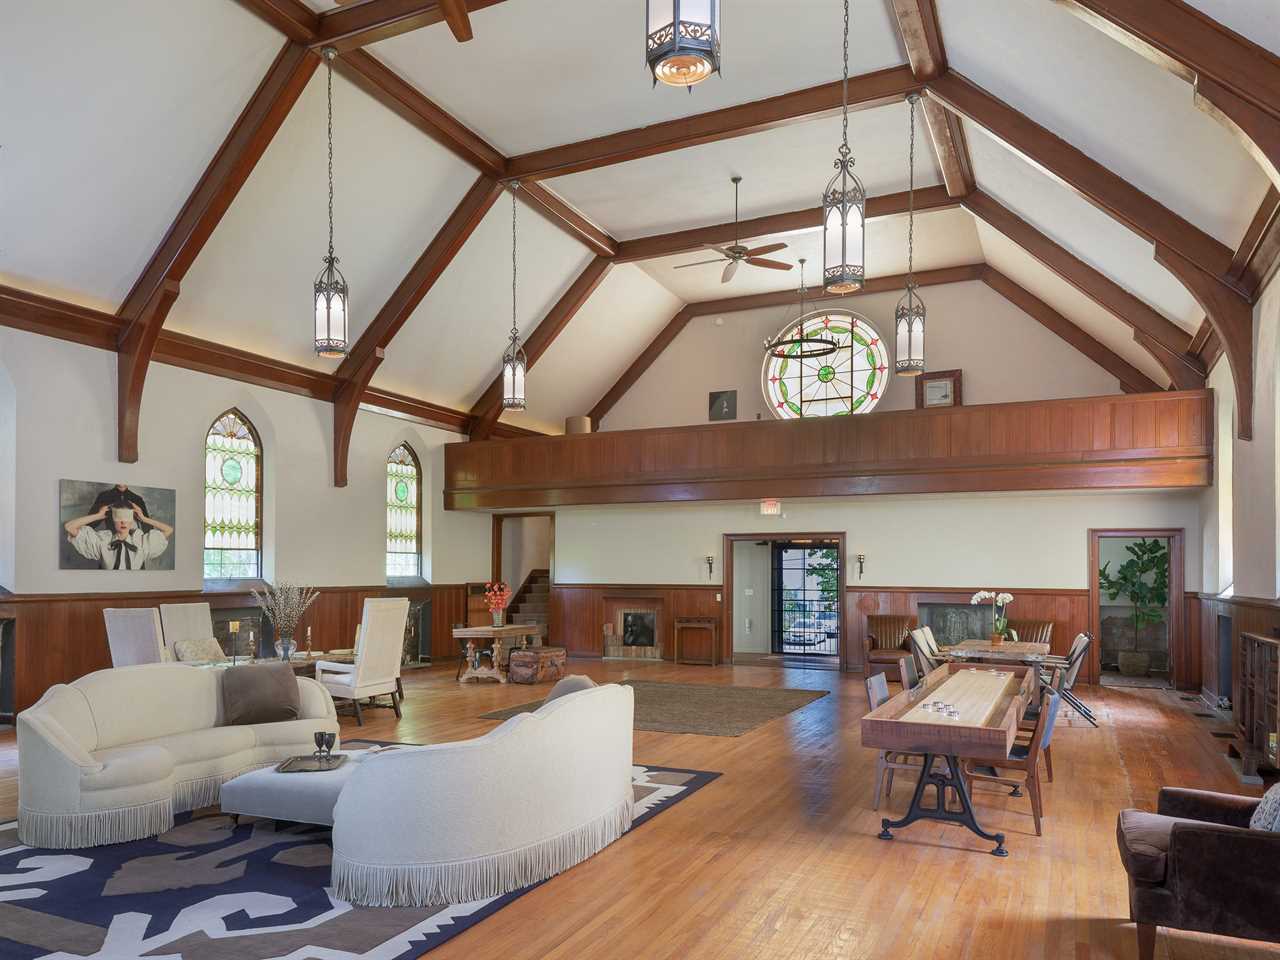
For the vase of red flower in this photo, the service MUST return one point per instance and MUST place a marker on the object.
(496, 597)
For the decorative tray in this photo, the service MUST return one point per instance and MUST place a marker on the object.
(311, 764)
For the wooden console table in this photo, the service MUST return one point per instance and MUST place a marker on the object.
(708, 627)
(512, 633)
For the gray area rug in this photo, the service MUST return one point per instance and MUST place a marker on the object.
(710, 710)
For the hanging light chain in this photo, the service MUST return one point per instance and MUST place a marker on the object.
(911, 193)
(515, 333)
(844, 88)
(329, 54)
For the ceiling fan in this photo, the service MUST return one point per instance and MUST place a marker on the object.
(736, 253)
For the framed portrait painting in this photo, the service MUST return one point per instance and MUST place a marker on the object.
(115, 526)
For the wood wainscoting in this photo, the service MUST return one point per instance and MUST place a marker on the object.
(1248, 615)
(59, 637)
(577, 614)
(1155, 440)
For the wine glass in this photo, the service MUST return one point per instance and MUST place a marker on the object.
(329, 740)
(318, 737)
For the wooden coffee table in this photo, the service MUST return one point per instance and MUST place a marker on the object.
(496, 637)
(990, 701)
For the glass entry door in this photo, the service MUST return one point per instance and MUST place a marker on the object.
(806, 598)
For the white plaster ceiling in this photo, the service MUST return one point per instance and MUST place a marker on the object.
(943, 238)
(1122, 110)
(1023, 269)
(1258, 20)
(539, 74)
(783, 169)
(110, 114)
(628, 310)
(394, 188)
(451, 347)
(1060, 213)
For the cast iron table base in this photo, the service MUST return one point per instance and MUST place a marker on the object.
(954, 780)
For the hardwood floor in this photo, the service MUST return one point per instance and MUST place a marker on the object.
(779, 857)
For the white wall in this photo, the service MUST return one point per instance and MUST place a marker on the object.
(1005, 356)
(1255, 566)
(526, 546)
(752, 588)
(8, 475)
(956, 540)
(314, 532)
(1216, 510)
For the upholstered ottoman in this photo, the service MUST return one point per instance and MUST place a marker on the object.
(295, 797)
(536, 665)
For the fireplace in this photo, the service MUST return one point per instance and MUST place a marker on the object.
(633, 628)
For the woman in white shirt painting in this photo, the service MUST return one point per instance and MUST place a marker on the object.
(126, 546)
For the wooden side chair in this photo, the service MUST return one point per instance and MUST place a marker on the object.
(1024, 759)
(910, 676)
(925, 649)
(887, 762)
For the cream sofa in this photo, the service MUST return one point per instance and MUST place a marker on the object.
(459, 822)
(112, 756)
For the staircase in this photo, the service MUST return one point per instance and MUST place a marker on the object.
(530, 605)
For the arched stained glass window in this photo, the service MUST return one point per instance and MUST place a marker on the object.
(851, 380)
(404, 513)
(232, 499)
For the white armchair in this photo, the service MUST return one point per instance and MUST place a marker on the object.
(377, 663)
(134, 637)
(185, 621)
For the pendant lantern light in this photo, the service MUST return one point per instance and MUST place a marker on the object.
(514, 362)
(682, 41)
(844, 208)
(909, 315)
(331, 291)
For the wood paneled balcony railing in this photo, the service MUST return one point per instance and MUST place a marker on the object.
(1153, 440)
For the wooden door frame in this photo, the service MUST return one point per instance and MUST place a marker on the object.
(1179, 655)
(726, 608)
(495, 544)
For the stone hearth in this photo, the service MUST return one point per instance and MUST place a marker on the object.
(633, 629)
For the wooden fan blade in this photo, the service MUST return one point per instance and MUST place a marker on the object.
(768, 264)
(730, 269)
(768, 248)
(700, 263)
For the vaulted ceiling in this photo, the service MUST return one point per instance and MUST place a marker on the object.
(116, 205)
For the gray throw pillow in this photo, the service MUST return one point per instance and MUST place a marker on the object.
(259, 693)
(570, 684)
(1267, 814)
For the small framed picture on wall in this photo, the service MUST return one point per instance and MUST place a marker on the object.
(941, 388)
(722, 405)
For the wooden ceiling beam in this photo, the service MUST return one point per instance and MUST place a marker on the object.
(549, 205)
(682, 241)
(922, 36)
(640, 364)
(356, 371)
(1235, 80)
(22, 310)
(1258, 254)
(1093, 181)
(1129, 376)
(865, 91)
(1181, 377)
(360, 24)
(147, 304)
(293, 18)
(1091, 282)
(487, 410)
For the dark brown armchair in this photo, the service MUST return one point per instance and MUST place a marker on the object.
(1033, 631)
(886, 643)
(1196, 865)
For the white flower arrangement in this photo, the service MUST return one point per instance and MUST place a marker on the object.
(1000, 623)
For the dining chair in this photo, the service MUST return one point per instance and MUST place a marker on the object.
(925, 650)
(134, 637)
(1070, 666)
(1024, 759)
(377, 657)
(185, 621)
(887, 762)
(910, 676)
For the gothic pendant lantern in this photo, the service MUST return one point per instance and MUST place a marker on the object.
(682, 41)
(331, 289)
(844, 208)
(514, 362)
(909, 315)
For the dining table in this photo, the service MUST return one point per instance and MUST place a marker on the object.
(959, 710)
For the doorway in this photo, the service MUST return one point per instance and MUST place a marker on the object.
(523, 546)
(785, 599)
(1136, 606)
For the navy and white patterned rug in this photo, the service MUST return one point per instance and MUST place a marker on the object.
(210, 890)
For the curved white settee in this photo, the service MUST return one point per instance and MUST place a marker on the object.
(112, 756)
(458, 822)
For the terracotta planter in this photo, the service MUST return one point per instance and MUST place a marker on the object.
(996, 638)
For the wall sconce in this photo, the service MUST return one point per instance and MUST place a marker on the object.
(711, 563)
(861, 558)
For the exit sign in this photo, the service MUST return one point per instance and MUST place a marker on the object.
(770, 508)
